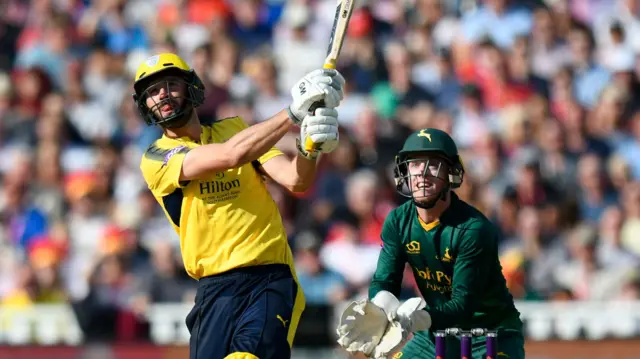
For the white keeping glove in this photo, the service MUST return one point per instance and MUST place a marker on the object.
(319, 85)
(321, 129)
(364, 323)
(412, 316)
(361, 327)
(408, 318)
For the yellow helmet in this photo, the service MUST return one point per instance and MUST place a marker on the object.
(150, 72)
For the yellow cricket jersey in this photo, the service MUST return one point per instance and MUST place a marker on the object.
(225, 221)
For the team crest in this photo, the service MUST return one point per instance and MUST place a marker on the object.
(425, 134)
(446, 257)
(413, 247)
(153, 60)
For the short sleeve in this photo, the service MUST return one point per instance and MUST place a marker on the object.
(161, 168)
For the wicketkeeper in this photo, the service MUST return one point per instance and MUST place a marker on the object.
(452, 249)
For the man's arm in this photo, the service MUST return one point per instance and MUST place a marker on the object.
(251, 143)
(295, 174)
(244, 147)
(473, 259)
(391, 262)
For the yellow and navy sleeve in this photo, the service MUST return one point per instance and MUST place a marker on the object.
(273, 152)
(161, 168)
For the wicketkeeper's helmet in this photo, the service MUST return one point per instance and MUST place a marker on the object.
(428, 142)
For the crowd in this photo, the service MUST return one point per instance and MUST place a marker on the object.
(541, 96)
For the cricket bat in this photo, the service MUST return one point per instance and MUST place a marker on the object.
(344, 9)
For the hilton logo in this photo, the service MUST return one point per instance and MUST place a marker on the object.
(218, 186)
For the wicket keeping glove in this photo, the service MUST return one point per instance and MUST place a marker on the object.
(320, 128)
(319, 85)
(410, 317)
(363, 323)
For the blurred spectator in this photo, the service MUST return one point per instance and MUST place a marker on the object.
(294, 43)
(400, 92)
(347, 255)
(472, 122)
(365, 207)
(499, 20)
(106, 313)
(629, 149)
(39, 281)
(584, 275)
(590, 78)
(621, 15)
(165, 282)
(320, 285)
(548, 53)
(611, 252)
(266, 98)
(556, 165)
(631, 227)
(536, 254)
(594, 195)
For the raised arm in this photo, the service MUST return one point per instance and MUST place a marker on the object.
(252, 142)
(297, 174)
(244, 147)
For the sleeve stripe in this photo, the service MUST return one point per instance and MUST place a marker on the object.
(158, 154)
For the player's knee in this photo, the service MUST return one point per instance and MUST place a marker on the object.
(241, 355)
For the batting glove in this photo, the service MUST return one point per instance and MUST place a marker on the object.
(320, 129)
(319, 85)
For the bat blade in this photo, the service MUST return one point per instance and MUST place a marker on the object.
(344, 9)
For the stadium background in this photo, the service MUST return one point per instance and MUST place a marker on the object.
(541, 96)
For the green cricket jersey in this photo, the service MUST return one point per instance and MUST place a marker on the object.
(455, 264)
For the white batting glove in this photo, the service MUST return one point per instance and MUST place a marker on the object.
(320, 129)
(319, 85)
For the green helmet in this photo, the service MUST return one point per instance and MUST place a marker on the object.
(424, 143)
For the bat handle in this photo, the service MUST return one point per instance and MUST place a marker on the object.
(310, 146)
(315, 106)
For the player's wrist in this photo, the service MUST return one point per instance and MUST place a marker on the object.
(295, 118)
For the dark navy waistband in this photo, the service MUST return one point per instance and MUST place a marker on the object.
(245, 272)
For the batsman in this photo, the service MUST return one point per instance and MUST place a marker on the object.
(452, 249)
